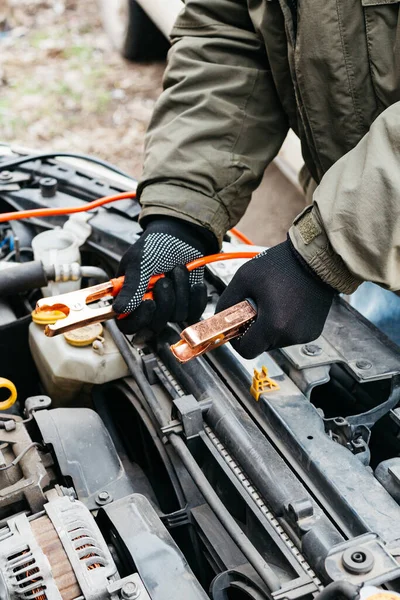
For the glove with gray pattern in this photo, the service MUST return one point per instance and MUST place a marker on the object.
(166, 245)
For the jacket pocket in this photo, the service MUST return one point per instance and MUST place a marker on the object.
(382, 25)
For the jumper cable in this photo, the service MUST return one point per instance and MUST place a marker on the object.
(78, 306)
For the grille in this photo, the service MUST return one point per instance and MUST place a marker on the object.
(25, 572)
(86, 547)
(64, 576)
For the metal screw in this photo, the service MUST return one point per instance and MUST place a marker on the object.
(130, 591)
(311, 350)
(363, 365)
(5, 175)
(103, 498)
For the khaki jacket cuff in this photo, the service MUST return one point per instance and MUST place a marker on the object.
(311, 241)
(183, 203)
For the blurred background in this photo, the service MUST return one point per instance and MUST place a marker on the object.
(64, 87)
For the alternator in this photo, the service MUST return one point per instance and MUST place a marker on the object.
(57, 556)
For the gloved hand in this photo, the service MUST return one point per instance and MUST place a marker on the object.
(166, 245)
(292, 301)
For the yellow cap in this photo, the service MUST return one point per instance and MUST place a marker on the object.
(7, 384)
(84, 336)
(47, 317)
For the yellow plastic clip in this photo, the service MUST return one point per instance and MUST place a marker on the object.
(262, 383)
(8, 385)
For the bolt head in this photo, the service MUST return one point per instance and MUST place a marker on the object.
(103, 498)
(311, 350)
(5, 175)
(130, 591)
(363, 365)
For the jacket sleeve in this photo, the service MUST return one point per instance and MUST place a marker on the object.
(218, 122)
(351, 233)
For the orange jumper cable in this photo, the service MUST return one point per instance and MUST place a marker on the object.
(77, 312)
(76, 305)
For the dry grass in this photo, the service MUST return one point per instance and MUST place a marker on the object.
(63, 87)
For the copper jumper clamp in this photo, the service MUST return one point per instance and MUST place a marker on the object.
(74, 309)
(214, 331)
(77, 309)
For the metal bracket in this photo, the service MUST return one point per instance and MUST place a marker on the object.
(363, 559)
(35, 403)
(369, 418)
(354, 437)
(128, 588)
(354, 432)
(348, 339)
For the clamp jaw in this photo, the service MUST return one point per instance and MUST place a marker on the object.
(76, 307)
(214, 331)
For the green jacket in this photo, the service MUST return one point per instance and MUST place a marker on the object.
(240, 73)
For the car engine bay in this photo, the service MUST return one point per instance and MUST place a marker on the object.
(127, 475)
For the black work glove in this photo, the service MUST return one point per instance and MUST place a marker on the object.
(292, 301)
(166, 245)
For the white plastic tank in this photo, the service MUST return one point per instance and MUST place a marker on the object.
(70, 364)
(57, 247)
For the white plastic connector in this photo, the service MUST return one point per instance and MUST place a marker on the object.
(78, 225)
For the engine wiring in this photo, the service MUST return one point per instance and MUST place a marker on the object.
(16, 162)
(241, 236)
(65, 210)
(21, 455)
(70, 210)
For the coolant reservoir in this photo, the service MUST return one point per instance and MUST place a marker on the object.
(57, 247)
(368, 592)
(70, 364)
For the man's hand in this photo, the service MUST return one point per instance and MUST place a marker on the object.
(166, 245)
(292, 301)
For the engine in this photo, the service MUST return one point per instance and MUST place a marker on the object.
(127, 475)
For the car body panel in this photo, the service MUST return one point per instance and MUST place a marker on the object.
(162, 13)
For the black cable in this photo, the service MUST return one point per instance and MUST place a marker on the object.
(11, 254)
(6, 166)
(211, 497)
(251, 553)
(161, 449)
(150, 402)
(21, 455)
(128, 354)
(340, 588)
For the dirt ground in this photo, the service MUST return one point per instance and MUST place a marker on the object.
(63, 87)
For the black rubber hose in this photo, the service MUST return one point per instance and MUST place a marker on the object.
(135, 369)
(338, 589)
(21, 278)
(16, 162)
(238, 536)
(242, 541)
(160, 448)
